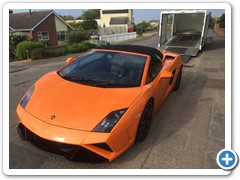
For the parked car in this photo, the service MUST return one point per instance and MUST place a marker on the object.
(100, 103)
(95, 36)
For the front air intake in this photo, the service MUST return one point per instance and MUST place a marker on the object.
(103, 146)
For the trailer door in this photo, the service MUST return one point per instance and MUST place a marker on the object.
(206, 22)
(163, 29)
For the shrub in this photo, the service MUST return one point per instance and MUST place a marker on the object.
(15, 38)
(76, 37)
(81, 47)
(41, 53)
(87, 45)
(76, 25)
(73, 49)
(22, 48)
(98, 43)
(57, 52)
(89, 24)
(151, 29)
(137, 29)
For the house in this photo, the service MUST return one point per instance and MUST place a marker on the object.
(154, 23)
(116, 17)
(45, 26)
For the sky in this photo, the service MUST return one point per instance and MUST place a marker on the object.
(138, 14)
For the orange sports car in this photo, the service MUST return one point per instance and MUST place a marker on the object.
(100, 103)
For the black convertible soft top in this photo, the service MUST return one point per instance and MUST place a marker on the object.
(135, 48)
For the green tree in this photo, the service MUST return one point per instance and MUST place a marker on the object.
(76, 36)
(79, 17)
(76, 25)
(212, 21)
(67, 17)
(222, 21)
(15, 38)
(145, 24)
(90, 14)
(89, 24)
(141, 27)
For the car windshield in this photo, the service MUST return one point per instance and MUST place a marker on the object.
(106, 69)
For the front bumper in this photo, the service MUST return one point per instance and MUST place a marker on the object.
(71, 152)
(73, 144)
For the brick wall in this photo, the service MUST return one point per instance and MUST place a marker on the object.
(49, 26)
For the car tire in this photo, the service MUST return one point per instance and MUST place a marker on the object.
(145, 122)
(178, 81)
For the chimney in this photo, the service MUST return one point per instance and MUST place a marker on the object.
(30, 12)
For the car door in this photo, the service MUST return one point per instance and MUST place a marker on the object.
(159, 86)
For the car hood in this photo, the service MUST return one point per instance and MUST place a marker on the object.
(71, 105)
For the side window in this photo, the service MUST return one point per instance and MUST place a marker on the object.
(154, 68)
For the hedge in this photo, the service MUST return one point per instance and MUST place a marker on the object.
(22, 48)
(98, 43)
(41, 53)
(76, 37)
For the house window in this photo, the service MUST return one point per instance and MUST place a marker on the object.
(43, 35)
(61, 35)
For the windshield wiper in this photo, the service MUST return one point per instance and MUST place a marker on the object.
(98, 82)
(73, 78)
(115, 84)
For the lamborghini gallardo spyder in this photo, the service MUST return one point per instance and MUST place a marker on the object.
(100, 103)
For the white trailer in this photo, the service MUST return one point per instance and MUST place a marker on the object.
(183, 31)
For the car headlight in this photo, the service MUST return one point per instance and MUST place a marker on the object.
(26, 98)
(107, 124)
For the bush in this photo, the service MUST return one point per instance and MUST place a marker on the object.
(89, 24)
(41, 53)
(98, 43)
(81, 47)
(76, 25)
(73, 49)
(76, 37)
(22, 48)
(57, 52)
(87, 45)
(137, 29)
(151, 29)
(15, 38)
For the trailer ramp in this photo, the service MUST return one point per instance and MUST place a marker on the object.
(185, 52)
(185, 44)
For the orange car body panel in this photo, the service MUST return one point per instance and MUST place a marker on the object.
(85, 106)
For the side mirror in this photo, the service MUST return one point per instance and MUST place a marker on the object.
(69, 60)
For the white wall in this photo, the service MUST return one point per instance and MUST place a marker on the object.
(118, 37)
